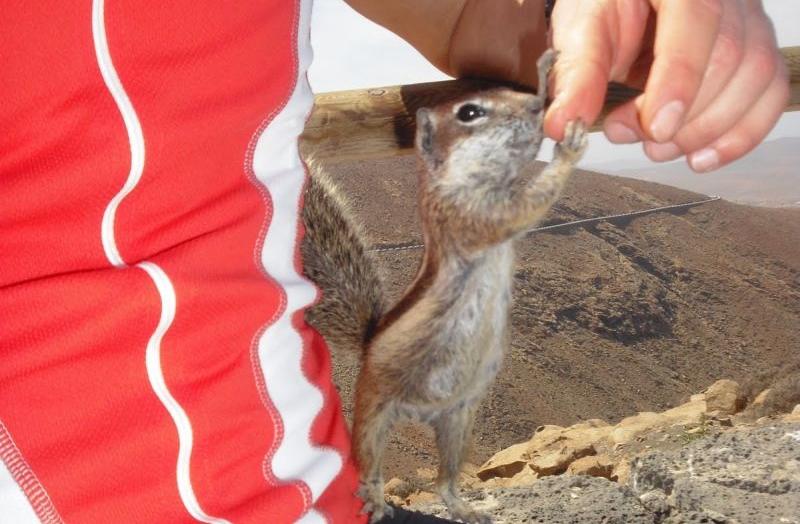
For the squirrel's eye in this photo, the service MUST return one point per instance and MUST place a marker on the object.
(469, 112)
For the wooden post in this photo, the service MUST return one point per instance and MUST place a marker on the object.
(379, 122)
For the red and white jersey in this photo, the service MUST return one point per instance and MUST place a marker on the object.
(154, 361)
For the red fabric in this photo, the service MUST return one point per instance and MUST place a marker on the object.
(74, 391)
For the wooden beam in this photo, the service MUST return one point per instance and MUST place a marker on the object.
(379, 122)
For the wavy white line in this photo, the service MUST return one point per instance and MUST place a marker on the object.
(165, 288)
(132, 125)
(277, 165)
(154, 372)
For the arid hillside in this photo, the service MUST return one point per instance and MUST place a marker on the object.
(611, 318)
(769, 176)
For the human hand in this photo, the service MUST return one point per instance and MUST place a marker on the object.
(713, 78)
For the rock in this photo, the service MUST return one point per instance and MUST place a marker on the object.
(592, 423)
(622, 472)
(699, 473)
(745, 475)
(794, 416)
(557, 460)
(594, 466)
(699, 517)
(394, 499)
(422, 498)
(655, 501)
(725, 397)
(545, 436)
(548, 428)
(761, 397)
(505, 463)
(556, 500)
(550, 451)
(396, 486)
(553, 453)
(525, 477)
(630, 427)
(426, 473)
(690, 414)
(725, 422)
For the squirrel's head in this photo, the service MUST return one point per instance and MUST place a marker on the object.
(494, 132)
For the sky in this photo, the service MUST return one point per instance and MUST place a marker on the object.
(350, 52)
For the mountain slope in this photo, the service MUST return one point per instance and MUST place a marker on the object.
(609, 318)
(769, 176)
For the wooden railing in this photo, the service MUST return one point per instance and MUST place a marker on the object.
(379, 122)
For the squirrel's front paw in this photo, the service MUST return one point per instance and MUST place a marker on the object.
(545, 63)
(571, 148)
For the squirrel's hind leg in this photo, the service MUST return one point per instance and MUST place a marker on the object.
(453, 435)
(374, 415)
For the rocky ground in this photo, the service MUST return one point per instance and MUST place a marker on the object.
(703, 461)
(613, 318)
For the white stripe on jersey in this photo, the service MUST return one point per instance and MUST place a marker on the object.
(277, 165)
(132, 126)
(166, 289)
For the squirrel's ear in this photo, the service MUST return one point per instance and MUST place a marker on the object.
(425, 132)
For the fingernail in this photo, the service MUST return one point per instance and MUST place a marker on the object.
(662, 152)
(619, 133)
(667, 121)
(553, 118)
(704, 160)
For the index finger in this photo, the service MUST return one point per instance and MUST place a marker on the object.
(582, 71)
(686, 31)
(597, 41)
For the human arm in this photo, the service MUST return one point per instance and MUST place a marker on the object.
(486, 38)
(714, 64)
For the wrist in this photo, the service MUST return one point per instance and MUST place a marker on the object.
(517, 30)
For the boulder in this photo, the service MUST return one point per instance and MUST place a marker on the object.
(550, 451)
(396, 486)
(724, 397)
(630, 427)
(505, 463)
(525, 477)
(594, 466)
(556, 460)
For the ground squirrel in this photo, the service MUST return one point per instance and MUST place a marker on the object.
(433, 355)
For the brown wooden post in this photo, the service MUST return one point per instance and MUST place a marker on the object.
(379, 122)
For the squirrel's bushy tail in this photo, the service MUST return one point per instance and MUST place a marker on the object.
(337, 259)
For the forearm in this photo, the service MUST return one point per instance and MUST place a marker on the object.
(487, 38)
(428, 25)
